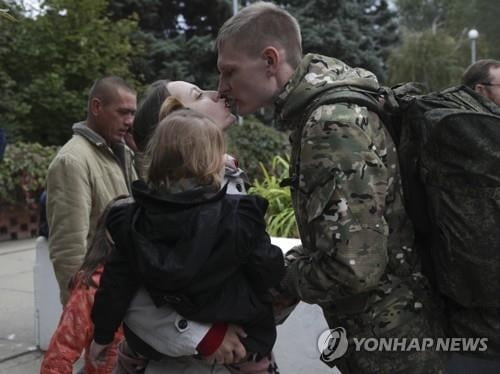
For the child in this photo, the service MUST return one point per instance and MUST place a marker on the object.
(75, 330)
(204, 252)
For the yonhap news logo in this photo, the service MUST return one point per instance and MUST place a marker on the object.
(333, 344)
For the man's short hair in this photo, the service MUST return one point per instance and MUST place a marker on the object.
(105, 89)
(479, 72)
(259, 25)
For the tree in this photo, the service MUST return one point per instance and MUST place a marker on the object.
(172, 29)
(172, 18)
(4, 13)
(420, 15)
(356, 32)
(435, 48)
(178, 37)
(62, 51)
(485, 19)
(432, 58)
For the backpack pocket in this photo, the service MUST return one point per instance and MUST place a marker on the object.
(466, 248)
(462, 159)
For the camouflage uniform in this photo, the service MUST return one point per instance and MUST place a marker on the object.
(357, 259)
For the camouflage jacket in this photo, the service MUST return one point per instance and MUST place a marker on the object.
(357, 259)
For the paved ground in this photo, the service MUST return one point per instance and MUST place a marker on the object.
(296, 352)
(18, 353)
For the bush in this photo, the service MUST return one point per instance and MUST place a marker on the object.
(253, 144)
(23, 171)
(280, 217)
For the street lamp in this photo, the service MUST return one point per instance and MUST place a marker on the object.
(473, 35)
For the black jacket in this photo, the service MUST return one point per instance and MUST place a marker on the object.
(205, 253)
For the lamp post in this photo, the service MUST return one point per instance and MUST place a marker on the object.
(473, 35)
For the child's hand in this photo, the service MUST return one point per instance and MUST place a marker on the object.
(97, 353)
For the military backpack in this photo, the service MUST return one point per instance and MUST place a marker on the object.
(449, 152)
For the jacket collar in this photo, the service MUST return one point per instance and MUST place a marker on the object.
(490, 105)
(315, 75)
(119, 150)
(144, 194)
(81, 128)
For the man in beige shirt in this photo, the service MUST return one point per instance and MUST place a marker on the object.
(91, 169)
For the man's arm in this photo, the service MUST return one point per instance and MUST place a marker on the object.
(342, 184)
(69, 202)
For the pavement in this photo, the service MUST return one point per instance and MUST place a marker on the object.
(18, 351)
(296, 348)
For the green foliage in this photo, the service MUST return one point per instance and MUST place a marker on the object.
(431, 58)
(280, 217)
(4, 13)
(175, 50)
(253, 144)
(175, 17)
(356, 32)
(48, 61)
(23, 171)
(48, 64)
(435, 48)
(420, 15)
(177, 58)
(179, 34)
(483, 15)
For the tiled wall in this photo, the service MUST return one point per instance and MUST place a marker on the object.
(18, 222)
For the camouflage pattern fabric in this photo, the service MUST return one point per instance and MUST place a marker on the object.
(357, 259)
(449, 156)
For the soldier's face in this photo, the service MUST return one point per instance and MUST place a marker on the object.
(245, 80)
(491, 90)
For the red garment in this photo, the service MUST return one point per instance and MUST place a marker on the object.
(212, 340)
(74, 334)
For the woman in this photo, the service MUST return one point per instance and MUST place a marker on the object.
(182, 94)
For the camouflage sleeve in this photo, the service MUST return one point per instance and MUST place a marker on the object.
(339, 206)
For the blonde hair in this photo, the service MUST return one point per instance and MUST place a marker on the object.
(259, 25)
(186, 144)
(170, 105)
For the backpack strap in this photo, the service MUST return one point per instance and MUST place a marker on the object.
(345, 94)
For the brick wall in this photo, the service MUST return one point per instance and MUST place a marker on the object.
(18, 222)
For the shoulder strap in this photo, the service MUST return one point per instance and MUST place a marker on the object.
(344, 94)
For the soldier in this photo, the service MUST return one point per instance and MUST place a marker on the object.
(484, 78)
(357, 259)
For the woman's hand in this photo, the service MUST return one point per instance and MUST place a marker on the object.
(231, 350)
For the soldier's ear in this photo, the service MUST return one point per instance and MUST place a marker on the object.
(272, 59)
(481, 89)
